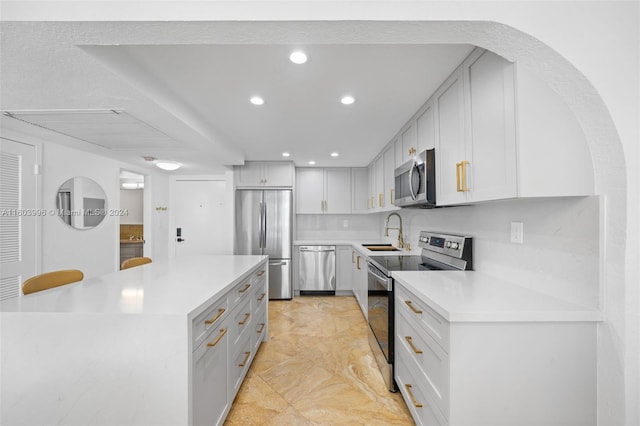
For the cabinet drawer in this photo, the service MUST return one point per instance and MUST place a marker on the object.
(240, 321)
(411, 384)
(209, 384)
(422, 351)
(429, 319)
(259, 297)
(211, 317)
(259, 275)
(241, 290)
(240, 362)
(259, 328)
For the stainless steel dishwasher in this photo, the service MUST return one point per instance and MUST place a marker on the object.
(317, 270)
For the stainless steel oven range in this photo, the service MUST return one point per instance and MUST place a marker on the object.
(440, 252)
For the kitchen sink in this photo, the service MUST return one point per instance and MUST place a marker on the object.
(380, 247)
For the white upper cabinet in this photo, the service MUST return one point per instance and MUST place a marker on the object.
(425, 127)
(380, 180)
(360, 189)
(265, 173)
(450, 144)
(320, 191)
(409, 139)
(388, 175)
(501, 133)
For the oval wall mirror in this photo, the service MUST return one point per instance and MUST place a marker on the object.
(81, 203)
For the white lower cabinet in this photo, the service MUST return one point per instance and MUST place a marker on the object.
(226, 337)
(344, 261)
(359, 280)
(493, 372)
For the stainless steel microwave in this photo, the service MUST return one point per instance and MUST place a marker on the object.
(415, 181)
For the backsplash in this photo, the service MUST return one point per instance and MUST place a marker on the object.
(331, 226)
(560, 252)
(128, 232)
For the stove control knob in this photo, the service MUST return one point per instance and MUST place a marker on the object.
(455, 246)
(447, 244)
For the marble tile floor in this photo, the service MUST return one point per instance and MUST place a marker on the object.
(316, 369)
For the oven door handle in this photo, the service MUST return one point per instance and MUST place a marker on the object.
(379, 275)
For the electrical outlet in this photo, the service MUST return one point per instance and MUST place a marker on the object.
(345, 223)
(517, 232)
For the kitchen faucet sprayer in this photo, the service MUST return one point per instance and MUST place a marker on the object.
(386, 229)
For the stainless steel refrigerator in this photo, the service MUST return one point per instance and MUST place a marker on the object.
(264, 221)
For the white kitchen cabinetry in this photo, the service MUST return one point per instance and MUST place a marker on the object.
(321, 191)
(409, 138)
(344, 279)
(388, 177)
(425, 127)
(502, 133)
(378, 187)
(360, 189)
(493, 372)
(359, 280)
(265, 173)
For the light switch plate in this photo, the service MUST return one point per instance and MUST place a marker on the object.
(517, 232)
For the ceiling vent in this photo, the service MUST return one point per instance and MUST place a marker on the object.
(109, 128)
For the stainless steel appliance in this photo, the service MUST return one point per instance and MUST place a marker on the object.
(415, 181)
(317, 270)
(440, 252)
(263, 226)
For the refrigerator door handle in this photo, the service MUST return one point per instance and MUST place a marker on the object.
(263, 225)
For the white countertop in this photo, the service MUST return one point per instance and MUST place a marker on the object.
(358, 246)
(470, 296)
(177, 286)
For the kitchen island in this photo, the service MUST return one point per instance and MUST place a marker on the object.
(156, 344)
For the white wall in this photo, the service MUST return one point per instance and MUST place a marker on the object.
(132, 201)
(561, 250)
(94, 251)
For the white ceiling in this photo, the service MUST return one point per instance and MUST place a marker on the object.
(196, 95)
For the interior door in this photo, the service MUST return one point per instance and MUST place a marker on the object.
(202, 213)
(17, 227)
(249, 221)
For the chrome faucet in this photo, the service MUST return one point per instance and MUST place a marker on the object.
(386, 229)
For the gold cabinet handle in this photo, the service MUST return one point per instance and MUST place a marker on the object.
(214, 319)
(246, 358)
(391, 193)
(463, 166)
(245, 288)
(413, 398)
(246, 318)
(261, 328)
(358, 263)
(458, 186)
(261, 273)
(220, 336)
(380, 199)
(409, 304)
(261, 297)
(410, 342)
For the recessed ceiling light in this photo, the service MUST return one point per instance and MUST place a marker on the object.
(285, 154)
(298, 57)
(311, 163)
(347, 100)
(334, 154)
(168, 165)
(256, 100)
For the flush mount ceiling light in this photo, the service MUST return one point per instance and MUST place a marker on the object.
(168, 165)
(298, 57)
(347, 100)
(256, 100)
(334, 154)
(285, 154)
(311, 163)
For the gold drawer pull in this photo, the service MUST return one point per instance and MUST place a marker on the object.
(413, 398)
(261, 328)
(261, 297)
(220, 336)
(391, 191)
(246, 358)
(245, 288)
(261, 273)
(246, 318)
(410, 342)
(214, 319)
(409, 304)
(380, 198)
